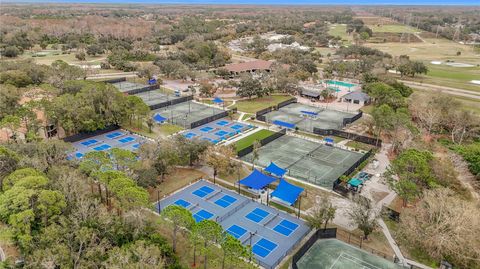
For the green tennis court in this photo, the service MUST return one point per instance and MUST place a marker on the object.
(306, 160)
(335, 254)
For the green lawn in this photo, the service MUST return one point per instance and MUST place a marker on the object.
(341, 31)
(168, 129)
(254, 105)
(247, 141)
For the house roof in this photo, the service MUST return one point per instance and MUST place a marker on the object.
(253, 65)
(311, 93)
(357, 95)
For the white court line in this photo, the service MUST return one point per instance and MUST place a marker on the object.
(358, 261)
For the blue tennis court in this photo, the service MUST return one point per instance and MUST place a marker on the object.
(263, 247)
(257, 215)
(236, 231)
(225, 201)
(222, 123)
(221, 133)
(78, 155)
(114, 135)
(218, 131)
(202, 215)
(102, 147)
(190, 135)
(285, 227)
(206, 129)
(182, 203)
(203, 191)
(126, 139)
(136, 146)
(247, 220)
(89, 142)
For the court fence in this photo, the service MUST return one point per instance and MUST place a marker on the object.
(115, 80)
(171, 102)
(215, 117)
(85, 135)
(262, 142)
(147, 88)
(347, 135)
(260, 115)
(338, 185)
(319, 234)
(352, 119)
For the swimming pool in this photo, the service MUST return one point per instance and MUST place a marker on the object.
(341, 83)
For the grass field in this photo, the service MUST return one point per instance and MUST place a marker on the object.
(340, 30)
(254, 105)
(51, 56)
(249, 140)
(392, 28)
(469, 104)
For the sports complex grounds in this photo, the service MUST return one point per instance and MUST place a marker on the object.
(155, 97)
(127, 86)
(217, 131)
(306, 160)
(271, 233)
(307, 117)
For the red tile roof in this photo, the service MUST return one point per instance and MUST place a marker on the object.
(247, 66)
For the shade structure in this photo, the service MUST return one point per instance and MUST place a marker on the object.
(159, 118)
(256, 180)
(275, 170)
(284, 124)
(328, 140)
(287, 192)
(217, 100)
(355, 182)
(310, 113)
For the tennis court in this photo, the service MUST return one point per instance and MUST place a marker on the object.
(271, 233)
(307, 117)
(306, 160)
(155, 97)
(335, 254)
(114, 139)
(217, 131)
(183, 114)
(127, 86)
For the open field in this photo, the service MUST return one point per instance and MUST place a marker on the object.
(467, 103)
(431, 50)
(249, 140)
(392, 28)
(52, 56)
(254, 105)
(340, 30)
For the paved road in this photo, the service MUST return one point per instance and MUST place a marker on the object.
(443, 89)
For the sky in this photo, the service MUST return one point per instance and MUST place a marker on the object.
(272, 2)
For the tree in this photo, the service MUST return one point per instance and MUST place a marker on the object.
(147, 71)
(94, 49)
(211, 232)
(178, 217)
(248, 87)
(8, 163)
(414, 165)
(80, 56)
(17, 78)
(219, 158)
(62, 71)
(363, 215)
(207, 89)
(444, 226)
(12, 123)
(255, 153)
(382, 119)
(190, 151)
(233, 250)
(321, 214)
(9, 100)
(11, 52)
(140, 254)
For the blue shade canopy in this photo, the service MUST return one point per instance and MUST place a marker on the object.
(355, 182)
(311, 113)
(287, 192)
(217, 100)
(159, 118)
(256, 180)
(275, 170)
(284, 124)
(328, 140)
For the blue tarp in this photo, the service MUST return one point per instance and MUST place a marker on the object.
(257, 180)
(275, 170)
(287, 192)
(217, 100)
(152, 81)
(311, 113)
(284, 124)
(159, 118)
(328, 140)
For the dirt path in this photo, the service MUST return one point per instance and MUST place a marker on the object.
(464, 175)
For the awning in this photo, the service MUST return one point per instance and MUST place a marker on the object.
(287, 192)
(256, 180)
(275, 170)
(159, 118)
(329, 140)
(284, 124)
(311, 113)
(355, 182)
(217, 100)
